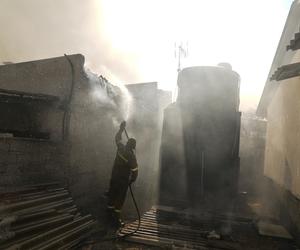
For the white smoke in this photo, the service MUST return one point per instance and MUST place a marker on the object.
(115, 98)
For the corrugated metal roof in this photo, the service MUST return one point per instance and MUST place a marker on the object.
(41, 218)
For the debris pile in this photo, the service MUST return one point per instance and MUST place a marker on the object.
(41, 217)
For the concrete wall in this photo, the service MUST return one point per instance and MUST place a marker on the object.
(145, 124)
(48, 76)
(282, 158)
(83, 158)
(92, 152)
(280, 104)
(173, 177)
(30, 161)
(282, 155)
(25, 161)
(282, 56)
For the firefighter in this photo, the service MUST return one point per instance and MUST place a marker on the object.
(124, 172)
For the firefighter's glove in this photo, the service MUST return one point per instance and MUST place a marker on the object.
(122, 125)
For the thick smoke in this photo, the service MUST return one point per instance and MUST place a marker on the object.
(49, 28)
(98, 29)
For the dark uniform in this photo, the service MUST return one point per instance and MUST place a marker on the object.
(125, 171)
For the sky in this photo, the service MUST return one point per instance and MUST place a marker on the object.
(134, 40)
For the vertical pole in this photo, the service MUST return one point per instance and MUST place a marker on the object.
(179, 52)
(202, 174)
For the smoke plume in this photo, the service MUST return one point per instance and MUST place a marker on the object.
(115, 98)
(42, 29)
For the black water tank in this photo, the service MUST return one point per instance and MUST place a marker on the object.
(200, 139)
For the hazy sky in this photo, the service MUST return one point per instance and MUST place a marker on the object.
(133, 41)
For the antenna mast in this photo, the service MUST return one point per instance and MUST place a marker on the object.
(180, 51)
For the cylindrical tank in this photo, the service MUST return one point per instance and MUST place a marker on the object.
(207, 110)
(213, 88)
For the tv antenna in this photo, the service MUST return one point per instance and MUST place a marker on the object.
(181, 51)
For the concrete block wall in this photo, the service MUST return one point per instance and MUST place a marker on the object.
(28, 161)
(145, 125)
(31, 161)
(92, 152)
(83, 160)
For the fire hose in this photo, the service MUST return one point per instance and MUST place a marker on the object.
(135, 205)
(120, 234)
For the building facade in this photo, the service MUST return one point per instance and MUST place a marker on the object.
(280, 105)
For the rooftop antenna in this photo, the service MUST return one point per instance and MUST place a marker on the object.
(181, 50)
